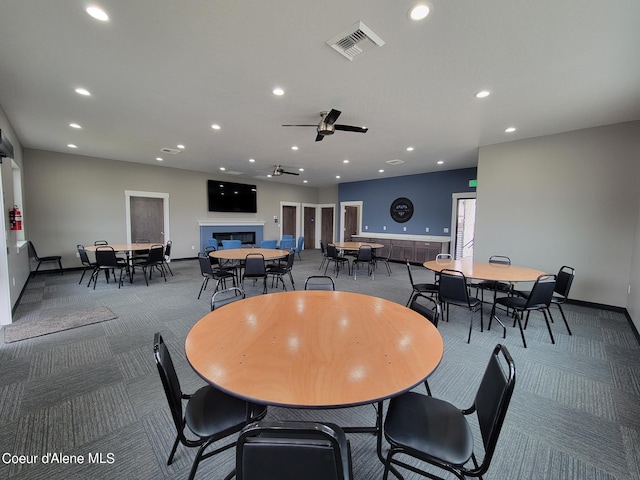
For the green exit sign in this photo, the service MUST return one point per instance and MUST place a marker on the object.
(473, 183)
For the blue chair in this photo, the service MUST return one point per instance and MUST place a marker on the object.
(268, 243)
(231, 244)
(287, 244)
(300, 247)
(213, 242)
(287, 237)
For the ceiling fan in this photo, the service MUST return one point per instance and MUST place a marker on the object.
(278, 170)
(328, 126)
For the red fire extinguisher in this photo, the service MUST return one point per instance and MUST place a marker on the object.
(15, 218)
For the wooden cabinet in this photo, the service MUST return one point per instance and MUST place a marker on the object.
(416, 251)
(426, 251)
(403, 250)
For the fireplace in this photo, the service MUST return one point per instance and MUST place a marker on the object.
(248, 232)
(247, 238)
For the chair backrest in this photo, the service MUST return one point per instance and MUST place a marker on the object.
(32, 250)
(444, 257)
(167, 249)
(501, 259)
(287, 237)
(364, 254)
(84, 257)
(319, 282)
(231, 244)
(492, 401)
(322, 249)
(205, 265)
(290, 258)
(213, 242)
(564, 280)
(223, 297)
(430, 312)
(106, 256)
(542, 292)
(268, 243)
(254, 265)
(300, 245)
(409, 270)
(332, 251)
(156, 254)
(143, 240)
(453, 287)
(287, 243)
(170, 381)
(292, 451)
(100, 242)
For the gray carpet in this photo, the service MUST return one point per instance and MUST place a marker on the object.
(575, 413)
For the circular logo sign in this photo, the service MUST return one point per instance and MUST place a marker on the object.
(401, 210)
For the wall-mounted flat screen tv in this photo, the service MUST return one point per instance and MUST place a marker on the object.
(231, 197)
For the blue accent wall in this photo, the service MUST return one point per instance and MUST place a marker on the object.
(430, 194)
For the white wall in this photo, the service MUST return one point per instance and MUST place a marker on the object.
(72, 199)
(567, 199)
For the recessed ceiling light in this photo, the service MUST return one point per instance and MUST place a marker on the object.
(409, 149)
(294, 148)
(440, 162)
(222, 168)
(215, 126)
(278, 91)
(74, 125)
(83, 91)
(345, 161)
(381, 171)
(483, 94)
(419, 11)
(97, 13)
(337, 176)
(160, 159)
(269, 175)
(301, 169)
(252, 160)
(71, 145)
(305, 181)
(180, 146)
(510, 130)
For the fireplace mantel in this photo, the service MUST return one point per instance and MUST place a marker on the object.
(209, 227)
(230, 223)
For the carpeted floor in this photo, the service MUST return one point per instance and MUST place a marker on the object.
(95, 390)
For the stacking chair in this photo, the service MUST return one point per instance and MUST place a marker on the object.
(86, 263)
(278, 271)
(287, 244)
(226, 296)
(338, 261)
(268, 243)
(106, 260)
(538, 299)
(209, 273)
(454, 290)
(254, 268)
(167, 256)
(493, 285)
(438, 433)
(287, 237)
(213, 242)
(324, 255)
(293, 451)
(231, 244)
(365, 255)
(319, 282)
(299, 247)
(209, 415)
(431, 312)
(424, 289)
(154, 259)
(383, 259)
(138, 255)
(49, 259)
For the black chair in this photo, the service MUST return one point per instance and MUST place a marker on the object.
(153, 260)
(365, 255)
(293, 451)
(430, 312)
(493, 285)
(86, 263)
(538, 299)
(564, 279)
(255, 269)
(324, 255)
(278, 271)
(454, 290)
(210, 414)
(424, 289)
(106, 260)
(383, 259)
(208, 272)
(49, 259)
(138, 255)
(224, 297)
(167, 256)
(319, 282)
(337, 260)
(438, 433)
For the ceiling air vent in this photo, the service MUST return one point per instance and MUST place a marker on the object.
(358, 39)
(397, 161)
(172, 151)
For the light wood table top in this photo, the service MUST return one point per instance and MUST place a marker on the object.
(241, 253)
(357, 245)
(123, 247)
(314, 349)
(486, 270)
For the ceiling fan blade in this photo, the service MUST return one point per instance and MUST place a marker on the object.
(290, 173)
(300, 125)
(319, 137)
(332, 116)
(351, 128)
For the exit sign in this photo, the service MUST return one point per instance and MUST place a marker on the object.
(473, 183)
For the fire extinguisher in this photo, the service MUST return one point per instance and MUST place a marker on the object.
(15, 218)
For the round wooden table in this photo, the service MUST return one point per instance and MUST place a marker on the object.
(485, 270)
(241, 253)
(357, 245)
(314, 349)
(123, 247)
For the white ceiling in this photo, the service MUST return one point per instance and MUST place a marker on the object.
(162, 72)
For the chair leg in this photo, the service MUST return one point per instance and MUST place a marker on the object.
(204, 286)
(544, 312)
(564, 318)
(518, 318)
(426, 385)
(173, 451)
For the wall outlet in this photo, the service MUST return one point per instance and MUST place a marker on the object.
(366, 227)
(404, 229)
(384, 228)
(193, 247)
(426, 229)
(446, 230)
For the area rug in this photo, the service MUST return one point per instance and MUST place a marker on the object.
(55, 323)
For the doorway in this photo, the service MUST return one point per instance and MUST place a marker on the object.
(309, 227)
(350, 220)
(289, 220)
(463, 222)
(147, 216)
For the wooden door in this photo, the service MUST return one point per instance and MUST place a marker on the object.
(326, 228)
(147, 219)
(289, 220)
(350, 222)
(309, 227)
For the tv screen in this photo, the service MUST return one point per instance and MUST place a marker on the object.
(231, 197)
